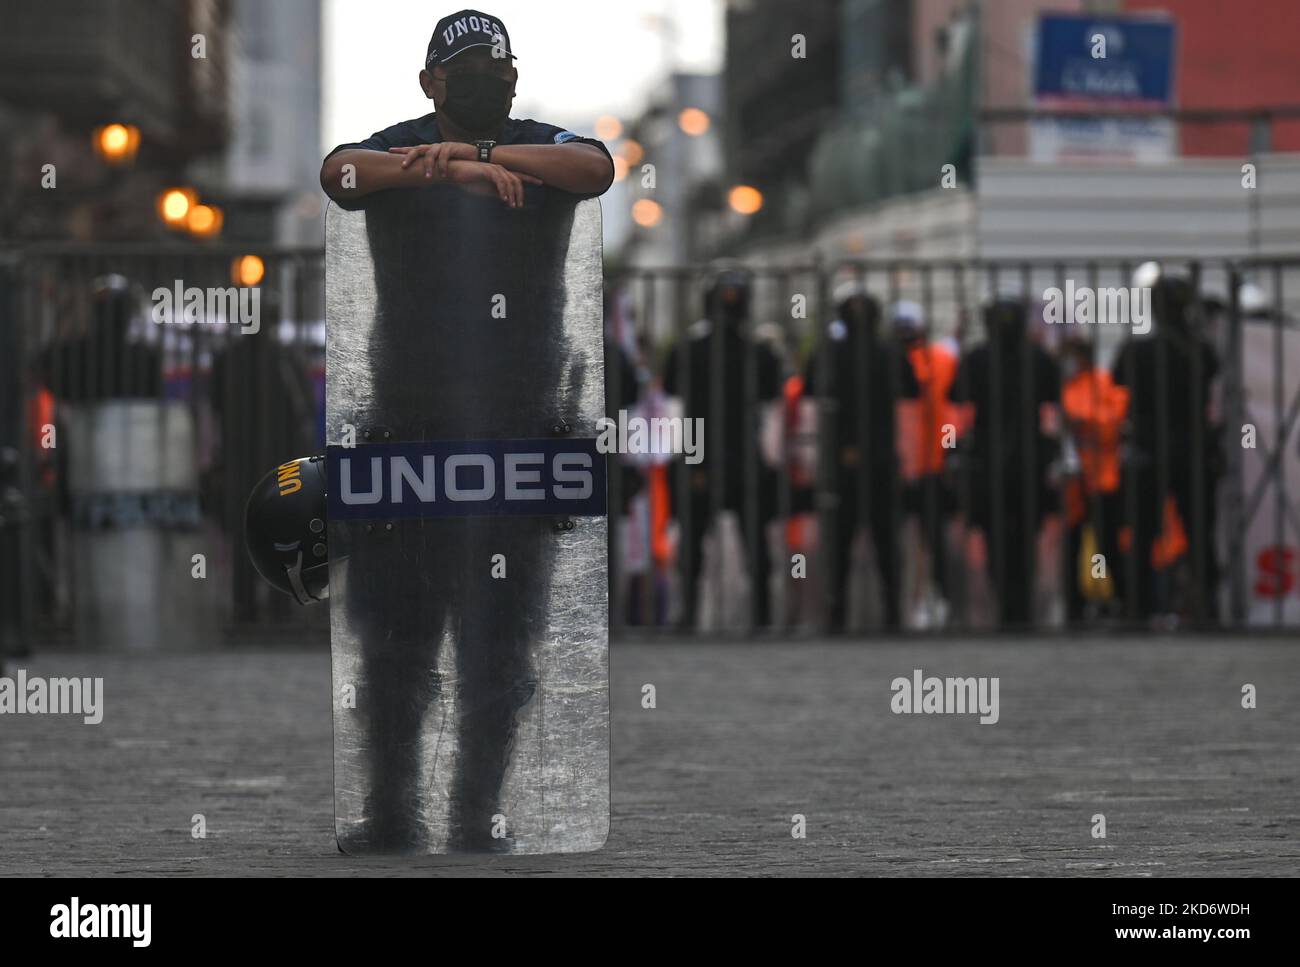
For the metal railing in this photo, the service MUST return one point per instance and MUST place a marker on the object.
(1043, 476)
(139, 433)
(846, 483)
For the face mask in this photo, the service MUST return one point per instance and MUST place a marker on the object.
(477, 102)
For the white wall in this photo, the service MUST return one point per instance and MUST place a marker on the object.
(1188, 208)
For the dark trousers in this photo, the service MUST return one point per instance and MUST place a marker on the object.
(755, 533)
(427, 584)
(929, 499)
(1152, 593)
(1104, 514)
(883, 522)
(1010, 520)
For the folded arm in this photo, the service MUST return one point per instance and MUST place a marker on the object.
(373, 171)
(580, 168)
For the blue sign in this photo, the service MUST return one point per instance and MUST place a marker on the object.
(467, 478)
(1138, 66)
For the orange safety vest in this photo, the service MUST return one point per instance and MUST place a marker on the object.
(1095, 409)
(1169, 545)
(41, 413)
(920, 422)
(661, 546)
(797, 536)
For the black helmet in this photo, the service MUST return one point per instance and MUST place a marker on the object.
(728, 296)
(284, 528)
(1173, 300)
(855, 306)
(1005, 319)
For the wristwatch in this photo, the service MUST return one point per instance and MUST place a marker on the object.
(485, 149)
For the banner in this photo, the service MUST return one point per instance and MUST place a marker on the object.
(1091, 64)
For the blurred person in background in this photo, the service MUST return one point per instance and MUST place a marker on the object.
(106, 362)
(791, 442)
(103, 364)
(928, 429)
(845, 385)
(645, 542)
(1093, 412)
(706, 370)
(1009, 380)
(1173, 440)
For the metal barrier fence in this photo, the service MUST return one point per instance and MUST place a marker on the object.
(930, 455)
(140, 421)
(942, 454)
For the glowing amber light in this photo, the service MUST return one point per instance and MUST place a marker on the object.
(608, 128)
(745, 200)
(175, 204)
(632, 152)
(204, 221)
(114, 139)
(693, 121)
(117, 143)
(647, 213)
(620, 168)
(248, 270)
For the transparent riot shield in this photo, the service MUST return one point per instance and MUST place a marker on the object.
(467, 531)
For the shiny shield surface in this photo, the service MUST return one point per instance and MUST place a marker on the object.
(468, 568)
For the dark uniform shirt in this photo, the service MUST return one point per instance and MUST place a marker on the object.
(1189, 367)
(995, 370)
(690, 376)
(851, 386)
(425, 130)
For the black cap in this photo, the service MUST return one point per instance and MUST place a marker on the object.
(463, 30)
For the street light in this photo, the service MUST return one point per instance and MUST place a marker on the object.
(204, 221)
(745, 199)
(647, 213)
(174, 205)
(632, 152)
(248, 270)
(608, 127)
(117, 144)
(693, 121)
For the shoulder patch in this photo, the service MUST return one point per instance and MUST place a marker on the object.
(562, 136)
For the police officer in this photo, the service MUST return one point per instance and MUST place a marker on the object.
(405, 595)
(469, 139)
(856, 376)
(708, 371)
(1169, 374)
(1008, 378)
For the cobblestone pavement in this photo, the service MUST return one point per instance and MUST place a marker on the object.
(1149, 732)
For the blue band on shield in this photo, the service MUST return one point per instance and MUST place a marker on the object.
(467, 478)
